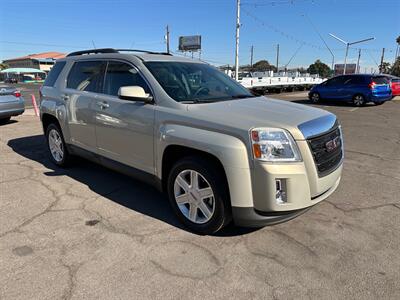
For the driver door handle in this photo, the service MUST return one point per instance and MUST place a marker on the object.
(103, 104)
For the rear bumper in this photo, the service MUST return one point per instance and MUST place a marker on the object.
(374, 98)
(10, 109)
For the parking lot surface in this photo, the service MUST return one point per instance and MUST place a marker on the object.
(89, 233)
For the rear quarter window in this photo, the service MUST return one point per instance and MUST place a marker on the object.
(54, 73)
(380, 80)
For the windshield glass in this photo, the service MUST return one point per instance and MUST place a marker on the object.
(195, 82)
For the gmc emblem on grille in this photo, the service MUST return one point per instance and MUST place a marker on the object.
(332, 144)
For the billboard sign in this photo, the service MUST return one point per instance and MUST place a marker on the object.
(350, 69)
(190, 43)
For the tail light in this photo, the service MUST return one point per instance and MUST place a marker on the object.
(372, 85)
(17, 94)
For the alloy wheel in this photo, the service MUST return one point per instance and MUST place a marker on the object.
(194, 196)
(56, 145)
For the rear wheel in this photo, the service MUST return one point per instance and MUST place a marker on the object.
(359, 100)
(199, 195)
(315, 98)
(56, 146)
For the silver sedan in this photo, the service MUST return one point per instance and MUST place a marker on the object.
(11, 103)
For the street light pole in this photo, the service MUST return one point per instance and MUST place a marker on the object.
(347, 47)
(237, 39)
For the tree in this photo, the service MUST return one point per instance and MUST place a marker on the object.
(384, 67)
(263, 65)
(396, 67)
(318, 67)
(3, 66)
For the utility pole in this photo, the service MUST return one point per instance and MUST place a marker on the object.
(237, 39)
(277, 58)
(251, 57)
(167, 39)
(347, 47)
(358, 61)
(382, 57)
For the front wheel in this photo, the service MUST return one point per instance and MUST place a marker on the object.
(359, 100)
(315, 98)
(199, 195)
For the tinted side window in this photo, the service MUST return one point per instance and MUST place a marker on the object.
(86, 76)
(355, 80)
(54, 73)
(122, 74)
(335, 81)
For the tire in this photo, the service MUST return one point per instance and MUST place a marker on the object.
(379, 103)
(315, 98)
(5, 120)
(205, 215)
(359, 100)
(58, 151)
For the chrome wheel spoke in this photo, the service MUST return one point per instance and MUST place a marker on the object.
(182, 199)
(205, 193)
(194, 180)
(182, 183)
(205, 209)
(192, 212)
(56, 146)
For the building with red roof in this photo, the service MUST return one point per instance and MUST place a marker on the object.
(42, 61)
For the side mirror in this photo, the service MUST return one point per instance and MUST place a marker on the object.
(134, 93)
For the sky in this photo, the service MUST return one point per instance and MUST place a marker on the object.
(33, 26)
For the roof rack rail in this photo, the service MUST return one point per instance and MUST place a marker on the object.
(143, 51)
(93, 51)
(111, 50)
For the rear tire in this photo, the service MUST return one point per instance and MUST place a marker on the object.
(58, 151)
(359, 100)
(203, 204)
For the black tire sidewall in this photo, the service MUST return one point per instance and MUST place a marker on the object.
(65, 158)
(222, 213)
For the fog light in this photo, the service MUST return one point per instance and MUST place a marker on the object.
(280, 191)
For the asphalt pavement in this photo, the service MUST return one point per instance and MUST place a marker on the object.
(89, 233)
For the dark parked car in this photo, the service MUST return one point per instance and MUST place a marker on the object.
(359, 89)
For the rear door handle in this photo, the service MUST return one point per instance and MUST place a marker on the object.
(103, 104)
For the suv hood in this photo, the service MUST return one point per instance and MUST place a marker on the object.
(248, 113)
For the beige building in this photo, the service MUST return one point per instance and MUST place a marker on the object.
(42, 61)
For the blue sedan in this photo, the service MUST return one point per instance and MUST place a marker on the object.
(359, 89)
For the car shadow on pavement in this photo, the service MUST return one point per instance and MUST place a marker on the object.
(119, 188)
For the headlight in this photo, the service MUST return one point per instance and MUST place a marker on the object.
(273, 144)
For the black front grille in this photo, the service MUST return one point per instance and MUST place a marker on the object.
(327, 151)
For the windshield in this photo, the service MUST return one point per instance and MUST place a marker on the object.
(195, 82)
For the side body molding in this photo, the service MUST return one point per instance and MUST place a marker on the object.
(230, 151)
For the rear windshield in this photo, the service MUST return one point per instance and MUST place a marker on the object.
(54, 72)
(380, 80)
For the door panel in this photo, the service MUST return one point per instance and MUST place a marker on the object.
(124, 131)
(83, 82)
(124, 128)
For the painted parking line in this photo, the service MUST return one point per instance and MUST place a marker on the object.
(354, 109)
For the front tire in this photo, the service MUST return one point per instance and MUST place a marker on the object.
(198, 194)
(315, 98)
(58, 151)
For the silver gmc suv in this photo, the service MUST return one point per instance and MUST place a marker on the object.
(219, 152)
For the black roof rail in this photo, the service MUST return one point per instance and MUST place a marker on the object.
(93, 51)
(111, 50)
(143, 51)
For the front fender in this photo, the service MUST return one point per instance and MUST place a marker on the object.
(229, 150)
